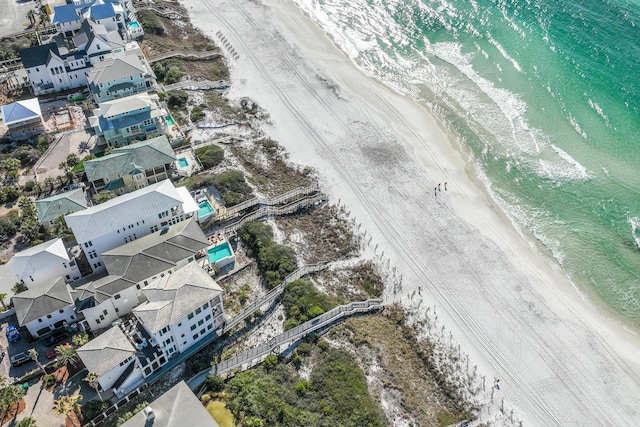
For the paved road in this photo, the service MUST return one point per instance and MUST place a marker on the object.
(14, 15)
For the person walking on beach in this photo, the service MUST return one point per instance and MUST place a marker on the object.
(445, 186)
(439, 187)
(435, 191)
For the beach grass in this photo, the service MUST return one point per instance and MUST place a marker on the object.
(220, 413)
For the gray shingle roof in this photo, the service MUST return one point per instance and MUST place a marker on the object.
(106, 351)
(156, 252)
(177, 407)
(52, 207)
(146, 155)
(42, 300)
(174, 296)
(116, 68)
(37, 55)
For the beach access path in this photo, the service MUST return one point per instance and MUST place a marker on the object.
(560, 358)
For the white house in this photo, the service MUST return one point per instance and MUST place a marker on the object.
(66, 19)
(42, 263)
(109, 355)
(178, 407)
(128, 217)
(45, 308)
(181, 309)
(48, 70)
(133, 266)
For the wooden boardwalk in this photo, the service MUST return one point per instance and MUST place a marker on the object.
(285, 340)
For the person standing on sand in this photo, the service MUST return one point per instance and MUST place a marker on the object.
(445, 186)
(439, 187)
(435, 191)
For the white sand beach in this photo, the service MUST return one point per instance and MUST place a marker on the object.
(561, 358)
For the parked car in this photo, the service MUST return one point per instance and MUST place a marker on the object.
(51, 353)
(56, 336)
(19, 359)
(12, 334)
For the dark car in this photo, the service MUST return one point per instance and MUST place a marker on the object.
(57, 336)
(12, 334)
(19, 359)
(51, 353)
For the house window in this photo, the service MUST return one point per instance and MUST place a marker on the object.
(208, 317)
(40, 320)
(116, 296)
(195, 336)
(209, 326)
(104, 312)
(61, 311)
(200, 322)
(182, 336)
(48, 316)
(190, 316)
(179, 324)
(193, 327)
(71, 317)
(101, 317)
(97, 321)
(198, 311)
(202, 331)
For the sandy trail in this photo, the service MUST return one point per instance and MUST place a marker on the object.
(561, 360)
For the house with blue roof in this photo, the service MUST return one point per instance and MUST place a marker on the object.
(23, 118)
(133, 118)
(108, 14)
(66, 19)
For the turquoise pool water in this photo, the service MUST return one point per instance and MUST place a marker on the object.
(205, 209)
(134, 25)
(219, 252)
(170, 120)
(183, 162)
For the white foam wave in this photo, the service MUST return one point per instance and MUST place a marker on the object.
(577, 127)
(598, 110)
(504, 53)
(634, 221)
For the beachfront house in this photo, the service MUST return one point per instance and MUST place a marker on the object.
(66, 20)
(181, 309)
(23, 118)
(177, 407)
(58, 205)
(131, 267)
(131, 167)
(50, 70)
(133, 118)
(120, 76)
(42, 263)
(110, 355)
(44, 308)
(129, 217)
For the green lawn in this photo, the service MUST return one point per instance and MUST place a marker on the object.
(220, 413)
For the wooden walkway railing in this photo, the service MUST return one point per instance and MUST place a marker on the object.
(283, 341)
(272, 295)
(184, 55)
(273, 201)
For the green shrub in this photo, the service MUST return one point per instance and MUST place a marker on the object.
(177, 99)
(275, 261)
(210, 156)
(303, 302)
(197, 113)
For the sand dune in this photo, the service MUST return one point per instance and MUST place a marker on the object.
(562, 359)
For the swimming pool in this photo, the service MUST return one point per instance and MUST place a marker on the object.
(182, 161)
(134, 25)
(170, 120)
(219, 252)
(205, 209)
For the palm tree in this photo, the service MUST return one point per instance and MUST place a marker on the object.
(63, 166)
(72, 160)
(49, 181)
(27, 422)
(67, 405)
(92, 378)
(9, 395)
(33, 354)
(80, 339)
(31, 16)
(67, 355)
(2, 297)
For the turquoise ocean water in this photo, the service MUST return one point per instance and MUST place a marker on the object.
(545, 94)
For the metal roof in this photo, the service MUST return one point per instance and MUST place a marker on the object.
(52, 207)
(21, 111)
